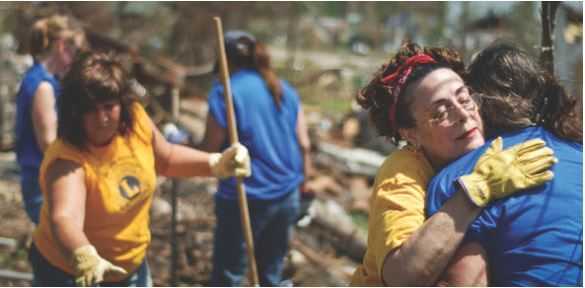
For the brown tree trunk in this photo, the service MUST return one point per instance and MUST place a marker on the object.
(547, 13)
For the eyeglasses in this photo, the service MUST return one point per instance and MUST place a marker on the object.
(448, 114)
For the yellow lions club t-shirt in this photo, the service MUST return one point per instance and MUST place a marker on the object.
(397, 210)
(120, 180)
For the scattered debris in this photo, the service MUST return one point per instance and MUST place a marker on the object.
(330, 241)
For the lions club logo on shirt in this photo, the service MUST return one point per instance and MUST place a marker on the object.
(128, 183)
(129, 187)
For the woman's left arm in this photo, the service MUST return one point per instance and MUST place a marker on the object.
(173, 160)
(304, 144)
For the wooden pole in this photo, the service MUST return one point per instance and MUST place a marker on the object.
(174, 195)
(233, 134)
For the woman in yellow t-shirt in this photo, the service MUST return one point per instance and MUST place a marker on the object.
(419, 96)
(99, 179)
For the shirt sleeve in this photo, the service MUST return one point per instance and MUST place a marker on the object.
(142, 123)
(290, 93)
(399, 213)
(217, 104)
(398, 208)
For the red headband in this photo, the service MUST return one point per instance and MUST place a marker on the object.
(403, 71)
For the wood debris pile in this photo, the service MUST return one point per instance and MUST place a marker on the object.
(324, 252)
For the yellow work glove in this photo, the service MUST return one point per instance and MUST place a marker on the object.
(498, 173)
(234, 161)
(90, 267)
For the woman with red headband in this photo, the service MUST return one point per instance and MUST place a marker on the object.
(419, 97)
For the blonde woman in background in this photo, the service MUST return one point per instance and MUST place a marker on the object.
(54, 43)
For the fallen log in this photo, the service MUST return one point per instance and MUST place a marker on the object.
(330, 216)
(8, 242)
(13, 275)
(338, 272)
(358, 161)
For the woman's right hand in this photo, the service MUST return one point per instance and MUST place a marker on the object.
(90, 267)
(499, 173)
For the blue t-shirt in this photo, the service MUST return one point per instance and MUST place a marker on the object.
(28, 153)
(269, 134)
(532, 238)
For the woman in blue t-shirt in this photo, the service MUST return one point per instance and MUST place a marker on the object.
(270, 124)
(54, 43)
(533, 238)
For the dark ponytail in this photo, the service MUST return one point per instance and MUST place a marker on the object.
(244, 51)
(262, 64)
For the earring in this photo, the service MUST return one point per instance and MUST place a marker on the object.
(413, 143)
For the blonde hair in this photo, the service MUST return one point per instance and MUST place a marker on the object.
(48, 30)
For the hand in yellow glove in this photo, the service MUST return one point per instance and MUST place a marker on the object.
(90, 267)
(234, 161)
(498, 173)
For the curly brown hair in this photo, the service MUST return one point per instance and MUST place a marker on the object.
(92, 78)
(376, 96)
(517, 92)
